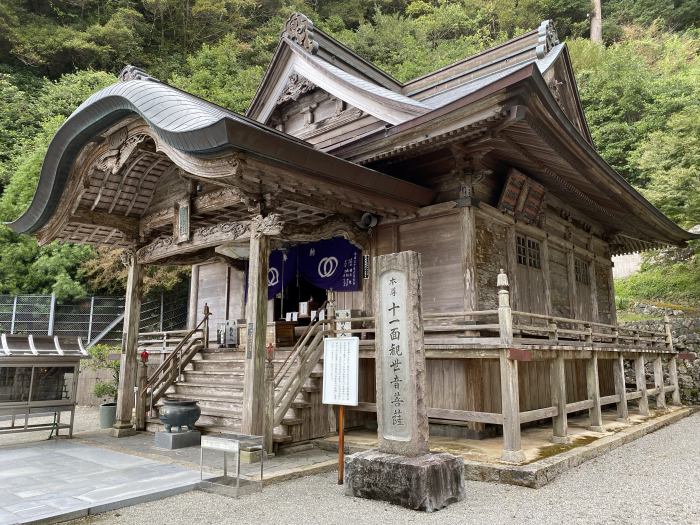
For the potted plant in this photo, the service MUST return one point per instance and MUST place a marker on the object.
(106, 390)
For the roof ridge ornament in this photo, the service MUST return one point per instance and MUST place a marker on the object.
(134, 73)
(299, 29)
(547, 38)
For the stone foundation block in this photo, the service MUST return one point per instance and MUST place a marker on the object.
(428, 482)
(174, 440)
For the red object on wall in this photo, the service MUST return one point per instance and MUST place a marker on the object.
(144, 356)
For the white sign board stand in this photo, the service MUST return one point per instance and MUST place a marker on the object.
(341, 360)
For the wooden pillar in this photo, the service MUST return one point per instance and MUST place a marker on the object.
(558, 390)
(545, 274)
(595, 315)
(593, 387)
(611, 296)
(619, 374)
(468, 230)
(130, 336)
(194, 297)
(641, 380)
(571, 271)
(659, 383)
(510, 396)
(673, 377)
(512, 260)
(253, 410)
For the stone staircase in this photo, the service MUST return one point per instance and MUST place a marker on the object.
(215, 379)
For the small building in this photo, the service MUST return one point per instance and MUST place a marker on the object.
(484, 166)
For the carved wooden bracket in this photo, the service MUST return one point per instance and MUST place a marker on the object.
(201, 238)
(271, 225)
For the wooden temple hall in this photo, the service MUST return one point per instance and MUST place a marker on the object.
(485, 167)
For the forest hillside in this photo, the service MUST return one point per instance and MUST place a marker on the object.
(640, 88)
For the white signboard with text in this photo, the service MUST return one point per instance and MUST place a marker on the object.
(341, 358)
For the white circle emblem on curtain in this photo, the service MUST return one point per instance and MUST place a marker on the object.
(273, 277)
(327, 267)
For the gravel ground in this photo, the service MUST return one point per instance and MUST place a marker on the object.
(655, 480)
(86, 418)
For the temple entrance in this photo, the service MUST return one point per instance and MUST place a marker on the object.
(292, 299)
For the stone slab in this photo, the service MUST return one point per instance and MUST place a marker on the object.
(539, 473)
(428, 482)
(175, 440)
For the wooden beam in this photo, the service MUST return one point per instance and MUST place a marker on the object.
(129, 226)
(204, 237)
(595, 317)
(546, 275)
(468, 247)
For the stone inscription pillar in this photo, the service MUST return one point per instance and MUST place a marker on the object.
(402, 471)
(402, 418)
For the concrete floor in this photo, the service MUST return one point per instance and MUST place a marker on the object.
(65, 478)
(536, 441)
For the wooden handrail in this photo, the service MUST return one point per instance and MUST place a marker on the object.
(284, 368)
(153, 379)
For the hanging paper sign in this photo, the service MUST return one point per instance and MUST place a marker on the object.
(281, 270)
(332, 264)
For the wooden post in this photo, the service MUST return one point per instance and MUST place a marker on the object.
(510, 397)
(130, 335)
(193, 299)
(641, 380)
(595, 316)
(593, 387)
(141, 379)
(673, 377)
(558, 389)
(512, 260)
(619, 374)
(571, 271)
(659, 383)
(253, 417)
(545, 274)
(468, 224)
(269, 405)
(341, 444)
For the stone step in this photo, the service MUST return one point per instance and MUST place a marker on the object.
(206, 402)
(154, 425)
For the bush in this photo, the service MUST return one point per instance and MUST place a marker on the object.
(101, 360)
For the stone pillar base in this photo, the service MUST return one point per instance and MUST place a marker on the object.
(175, 440)
(428, 482)
(122, 431)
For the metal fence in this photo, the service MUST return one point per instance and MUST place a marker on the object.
(93, 319)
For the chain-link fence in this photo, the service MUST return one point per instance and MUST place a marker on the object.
(92, 318)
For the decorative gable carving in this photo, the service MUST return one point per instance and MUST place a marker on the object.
(300, 29)
(296, 86)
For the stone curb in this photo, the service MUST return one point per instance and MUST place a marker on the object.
(539, 473)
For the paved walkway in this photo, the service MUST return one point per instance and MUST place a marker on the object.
(53, 478)
(653, 480)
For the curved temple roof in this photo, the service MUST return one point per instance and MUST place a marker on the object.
(194, 126)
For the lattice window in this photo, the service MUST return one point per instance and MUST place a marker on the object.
(528, 252)
(581, 271)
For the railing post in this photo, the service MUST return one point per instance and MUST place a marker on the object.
(14, 315)
(141, 379)
(593, 388)
(510, 397)
(641, 380)
(52, 314)
(620, 390)
(669, 334)
(269, 404)
(160, 322)
(205, 326)
(92, 312)
(659, 383)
